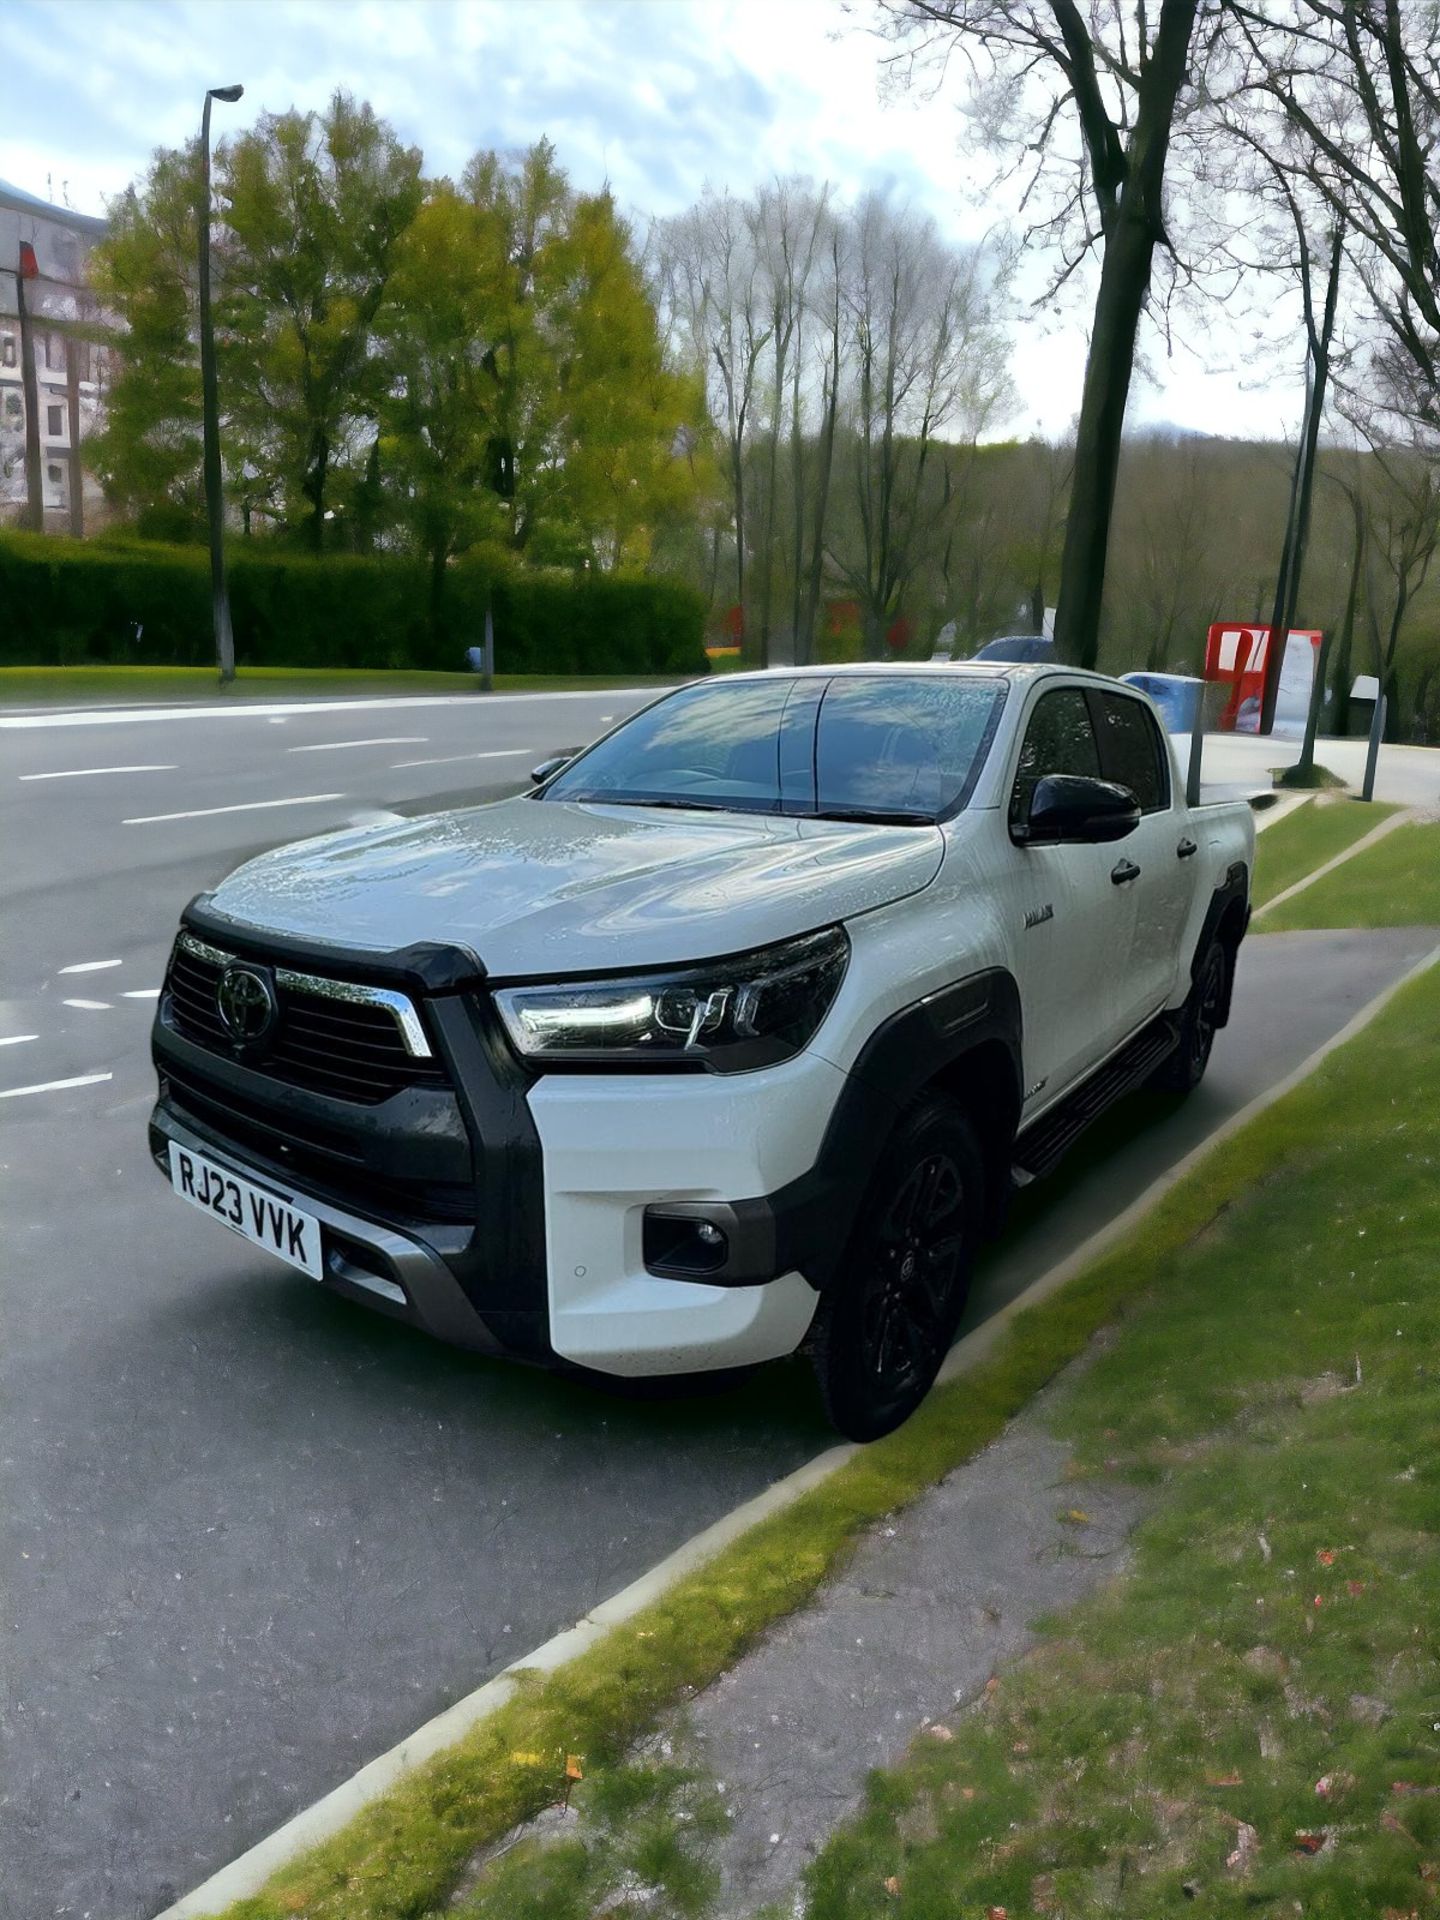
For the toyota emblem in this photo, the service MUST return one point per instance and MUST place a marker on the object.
(246, 1001)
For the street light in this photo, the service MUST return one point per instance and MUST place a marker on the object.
(214, 502)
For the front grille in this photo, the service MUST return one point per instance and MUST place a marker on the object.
(345, 1048)
(320, 1161)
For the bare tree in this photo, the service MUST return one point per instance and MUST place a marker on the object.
(712, 291)
(925, 360)
(1087, 100)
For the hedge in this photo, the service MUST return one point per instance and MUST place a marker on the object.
(68, 603)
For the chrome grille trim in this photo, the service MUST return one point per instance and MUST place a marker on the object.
(400, 1008)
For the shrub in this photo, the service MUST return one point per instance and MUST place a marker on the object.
(67, 603)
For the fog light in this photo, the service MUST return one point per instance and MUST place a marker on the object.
(678, 1246)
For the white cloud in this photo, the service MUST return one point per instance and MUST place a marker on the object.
(658, 97)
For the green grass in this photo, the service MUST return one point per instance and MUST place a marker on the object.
(1395, 883)
(403, 1856)
(1273, 1658)
(1305, 839)
(37, 686)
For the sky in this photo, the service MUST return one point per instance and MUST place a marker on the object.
(657, 97)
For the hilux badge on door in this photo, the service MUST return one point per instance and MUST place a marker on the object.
(1034, 916)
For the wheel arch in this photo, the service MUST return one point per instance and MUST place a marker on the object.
(1227, 918)
(964, 1041)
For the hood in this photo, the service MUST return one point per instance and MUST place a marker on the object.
(554, 887)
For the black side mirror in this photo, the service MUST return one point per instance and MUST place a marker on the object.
(1071, 807)
(548, 769)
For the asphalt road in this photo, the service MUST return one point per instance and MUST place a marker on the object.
(254, 1535)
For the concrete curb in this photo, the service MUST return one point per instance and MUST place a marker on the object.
(1285, 804)
(1400, 819)
(246, 1875)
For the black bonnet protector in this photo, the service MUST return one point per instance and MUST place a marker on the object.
(427, 967)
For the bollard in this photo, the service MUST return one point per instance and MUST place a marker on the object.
(1377, 734)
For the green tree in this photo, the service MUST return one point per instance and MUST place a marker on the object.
(315, 208)
(450, 300)
(147, 453)
(629, 424)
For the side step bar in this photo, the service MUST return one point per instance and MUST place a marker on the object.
(1041, 1147)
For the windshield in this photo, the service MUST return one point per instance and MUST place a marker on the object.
(873, 746)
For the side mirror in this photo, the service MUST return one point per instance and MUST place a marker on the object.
(1071, 807)
(548, 769)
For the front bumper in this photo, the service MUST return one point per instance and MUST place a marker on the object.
(548, 1264)
(380, 1266)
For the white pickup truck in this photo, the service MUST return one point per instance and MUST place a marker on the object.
(728, 1038)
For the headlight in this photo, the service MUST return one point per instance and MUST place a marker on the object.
(728, 1015)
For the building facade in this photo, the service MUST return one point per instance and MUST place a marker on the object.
(69, 370)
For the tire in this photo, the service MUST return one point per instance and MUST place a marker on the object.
(1184, 1069)
(888, 1319)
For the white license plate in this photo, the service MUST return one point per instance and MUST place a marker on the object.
(256, 1214)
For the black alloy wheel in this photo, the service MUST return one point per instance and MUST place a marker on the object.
(1184, 1069)
(888, 1321)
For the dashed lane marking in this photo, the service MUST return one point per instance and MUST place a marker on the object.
(244, 806)
(84, 773)
(447, 759)
(55, 1086)
(334, 746)
(141, 993)
(17, 1039)
(121, 716)
(92, 966)
(89, 1006)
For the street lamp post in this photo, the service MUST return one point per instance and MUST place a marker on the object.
(210, 402)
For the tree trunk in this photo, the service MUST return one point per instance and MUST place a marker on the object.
(1124, 283)
(438, 558)
(1287, 592)
(1340, 712)
(317, 473)
(824, 462)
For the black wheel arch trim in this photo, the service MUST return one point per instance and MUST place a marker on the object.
(1230, 899)
(804, 1226)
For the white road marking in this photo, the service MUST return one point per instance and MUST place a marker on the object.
(92, 966)
(142, 993)
(334, 746)
(55, 1086)
(447, 759)
(17, 1039)
(127, 716)
(247, 1874)
(244, 806)
(84, 773)
(88, 1006)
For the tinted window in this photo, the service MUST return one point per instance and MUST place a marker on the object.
(1131, 751)
(902, 745)
(1059, 739)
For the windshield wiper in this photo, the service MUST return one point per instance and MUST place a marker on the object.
(615, 800)
(875, 816)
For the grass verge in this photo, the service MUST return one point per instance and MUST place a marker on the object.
(38, 686)
(1395, 883)
(1306, 839)
(402, 1857)
(1249, 1722)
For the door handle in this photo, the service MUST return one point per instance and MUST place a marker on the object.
(1185, 849)
(1123, 871)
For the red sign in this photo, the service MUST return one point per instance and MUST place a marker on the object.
(1236, 656)
(29, 265)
